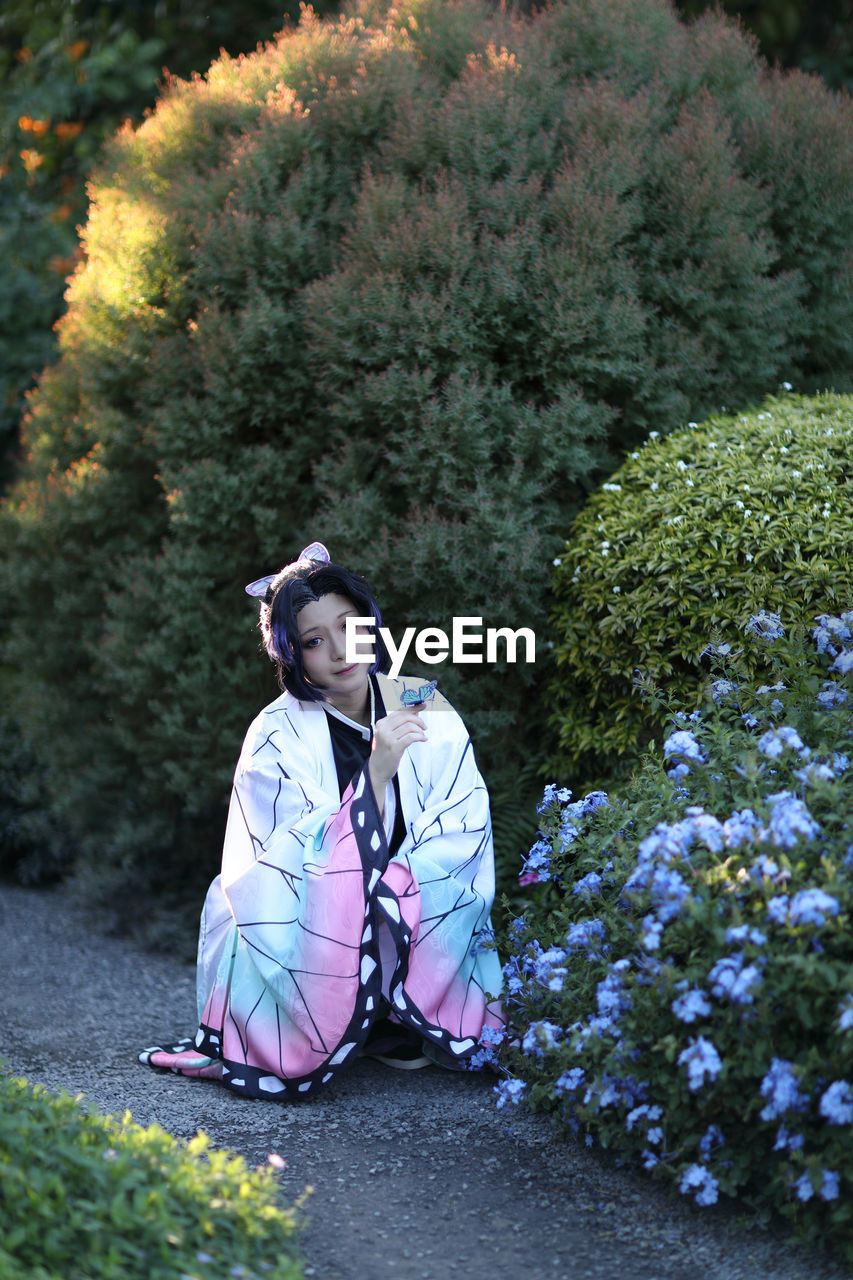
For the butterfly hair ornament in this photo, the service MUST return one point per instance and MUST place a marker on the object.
(314, 553)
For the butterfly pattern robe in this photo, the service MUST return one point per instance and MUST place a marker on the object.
(311, 922)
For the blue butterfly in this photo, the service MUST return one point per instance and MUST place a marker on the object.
(413, 697)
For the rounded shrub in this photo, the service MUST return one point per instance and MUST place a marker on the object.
(686, 998)
(694, 533)
(408, 282)
(110, 1199)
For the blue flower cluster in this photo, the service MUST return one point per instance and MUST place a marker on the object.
(564, 819)
(682, 914)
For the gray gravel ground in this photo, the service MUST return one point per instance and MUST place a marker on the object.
(414, 1174)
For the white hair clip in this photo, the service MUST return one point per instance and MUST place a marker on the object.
(315, 553)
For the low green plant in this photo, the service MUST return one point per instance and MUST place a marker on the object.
(681, 989)
(105, 1199)
(695, 532)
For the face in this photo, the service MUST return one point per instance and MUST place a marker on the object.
(322, 631)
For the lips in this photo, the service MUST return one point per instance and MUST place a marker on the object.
(345, 671)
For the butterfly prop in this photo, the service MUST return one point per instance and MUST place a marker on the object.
(414, 697)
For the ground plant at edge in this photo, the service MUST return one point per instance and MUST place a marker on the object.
(682, 989)
(109, 1198)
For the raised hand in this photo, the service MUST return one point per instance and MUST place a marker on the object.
(391, 736)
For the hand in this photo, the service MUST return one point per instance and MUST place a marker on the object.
(391, 736)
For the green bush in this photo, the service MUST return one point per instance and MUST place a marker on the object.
(687, 998)
(113, 1201)
(70, 72)
(409, 282)
(32, 848)
(695, 532)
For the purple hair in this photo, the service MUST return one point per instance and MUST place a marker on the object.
(289, 592)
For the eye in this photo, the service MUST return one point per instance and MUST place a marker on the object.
(312, 643)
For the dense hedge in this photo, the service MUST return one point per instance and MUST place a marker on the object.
(687, 997)
(90, 1195)
(696, 532)
(406, 283)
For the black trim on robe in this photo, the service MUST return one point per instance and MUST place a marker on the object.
(351, 751)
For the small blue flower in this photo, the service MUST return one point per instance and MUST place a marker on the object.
(539, 1037)
(774, 741)
(586, 935)
(691, 1005)
(682, 743)
(509, 1091)
(589, 886)
(701, 1059)
(731, 979)
(829, 1184)
(712, 1137)
(741, 828)
(787, 1141)
(780, 1088)
(483, 941)
(722, 689)
(706, 828)
(716, 651)
(611, 997)
(743, 933)
(812, 906)
(652, 930)
(518, 927)
(845, 1010)
(832, 694)
(570, 1081)
(699, 1178)
(789, 819)
(567, 834)
(550, 968)
(594, 800)
(645, 1111)
(830, 629)
(669, 893)
(549, 795)
(765, 868)
(765, 626)
(836, 1104)
(537, 864)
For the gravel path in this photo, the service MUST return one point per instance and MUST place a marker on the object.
(416, 1175)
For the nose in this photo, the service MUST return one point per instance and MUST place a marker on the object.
(338, 649)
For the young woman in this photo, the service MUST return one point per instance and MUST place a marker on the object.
(351, 915)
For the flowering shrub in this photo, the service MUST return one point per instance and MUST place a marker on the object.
(689, 1000)
(696, 531)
